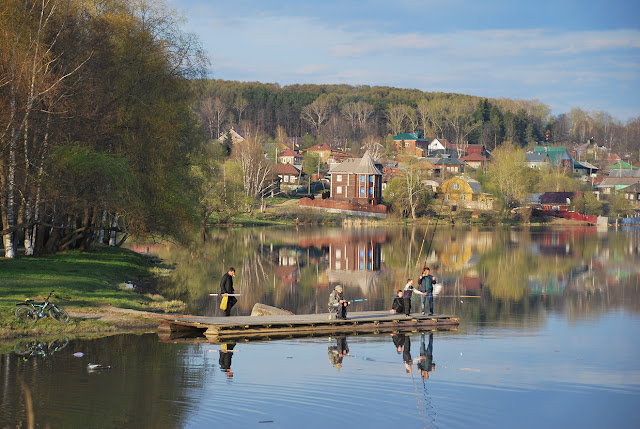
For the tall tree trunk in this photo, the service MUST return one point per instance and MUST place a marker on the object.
(11, 181)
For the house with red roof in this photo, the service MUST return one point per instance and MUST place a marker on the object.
(290, 176)
(323, 150)
(475, 160)
(289, 156)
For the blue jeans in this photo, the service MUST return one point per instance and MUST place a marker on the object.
(423, 299)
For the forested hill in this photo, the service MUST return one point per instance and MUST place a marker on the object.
(345, 115)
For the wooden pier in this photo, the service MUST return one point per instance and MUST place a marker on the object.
(248, 328)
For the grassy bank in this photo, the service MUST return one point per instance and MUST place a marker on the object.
(83, 283)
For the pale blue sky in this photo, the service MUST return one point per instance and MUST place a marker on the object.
(565, 53)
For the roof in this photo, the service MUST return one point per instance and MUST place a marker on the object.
(536, 157)
(416, 135)
(556, 153)
(624, 173)
(364, 165)
(318, 147)
(449, 161)
(632, 189)
(559, 197)
(474, 156)
(473, 184)
(585, 165)
(287, 169)
(621, 165)
(289, 152)
(618, 181)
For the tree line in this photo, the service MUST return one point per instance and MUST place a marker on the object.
(355, 117)
(97, 131)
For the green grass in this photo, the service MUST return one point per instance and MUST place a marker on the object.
(81, 280)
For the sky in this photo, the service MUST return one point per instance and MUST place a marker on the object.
(564, 53)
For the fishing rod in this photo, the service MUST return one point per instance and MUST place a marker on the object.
(433, 234)
(223, 294)
(357, 300)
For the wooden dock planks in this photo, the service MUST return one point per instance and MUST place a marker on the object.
(247, 328)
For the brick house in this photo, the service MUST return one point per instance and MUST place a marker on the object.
(411, 143)
(356, 180)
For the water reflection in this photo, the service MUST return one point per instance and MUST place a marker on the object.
(485, 275)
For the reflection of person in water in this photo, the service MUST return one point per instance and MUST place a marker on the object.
(426, 354)
(225, 358)
(403, 345)
(338, 352)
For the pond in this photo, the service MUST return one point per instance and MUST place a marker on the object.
(548, 337)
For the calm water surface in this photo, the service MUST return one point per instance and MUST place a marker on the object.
(548, 338)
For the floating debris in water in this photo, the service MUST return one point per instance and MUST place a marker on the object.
(265, 421)
(78, 354)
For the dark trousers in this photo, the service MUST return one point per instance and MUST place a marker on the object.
(407, 305)
(230, 303)
(398, 305)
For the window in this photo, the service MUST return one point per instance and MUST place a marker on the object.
(338, 253)
(338, 189)
(371, 178)
(286, 179)
(456, 186)
(446, 197)
(338, 265)
(293, 179)
(362, 178)
(362, 191)
(370, 191)
(339, 178)
(463, 197)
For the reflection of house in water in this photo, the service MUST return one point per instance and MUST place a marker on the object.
(354, 258)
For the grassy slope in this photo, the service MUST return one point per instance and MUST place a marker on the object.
(81, 280)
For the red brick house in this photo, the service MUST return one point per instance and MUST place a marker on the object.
(357, 181)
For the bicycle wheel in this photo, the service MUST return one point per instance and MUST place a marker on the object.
(26, 314)
(24, 347)
(58, 344)
(59, 314)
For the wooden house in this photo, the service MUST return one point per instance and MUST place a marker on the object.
(323, 150)
(460, 188)
(356, 180)
(290, 176)
(290, 157)
(559, 201)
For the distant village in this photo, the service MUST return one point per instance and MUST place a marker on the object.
(345, 183)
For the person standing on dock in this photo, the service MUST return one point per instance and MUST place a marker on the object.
(408, 292)
(338, 303)
(226, 287)
(425, 286)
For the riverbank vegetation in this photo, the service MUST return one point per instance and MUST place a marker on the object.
(84, 282)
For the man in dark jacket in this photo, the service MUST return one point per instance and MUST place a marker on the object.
(425, 286)
(226, 286)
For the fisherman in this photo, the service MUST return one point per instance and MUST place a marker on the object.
(226, 287)
(425, 286)
(338, 303)
(398, 305)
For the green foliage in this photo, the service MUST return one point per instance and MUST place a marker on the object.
(588, 204)
(307, 141)
(619, 205)
(508, 176)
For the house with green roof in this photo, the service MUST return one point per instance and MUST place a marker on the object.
(558, 155)
(411, 143)
(621, 165)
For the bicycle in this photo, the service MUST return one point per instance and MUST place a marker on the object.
(30, 311)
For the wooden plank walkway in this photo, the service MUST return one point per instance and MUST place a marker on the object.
(248, 328)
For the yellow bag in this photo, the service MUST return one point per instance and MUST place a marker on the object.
(223, 304)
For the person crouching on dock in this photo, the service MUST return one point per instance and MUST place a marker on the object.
(338, 303)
